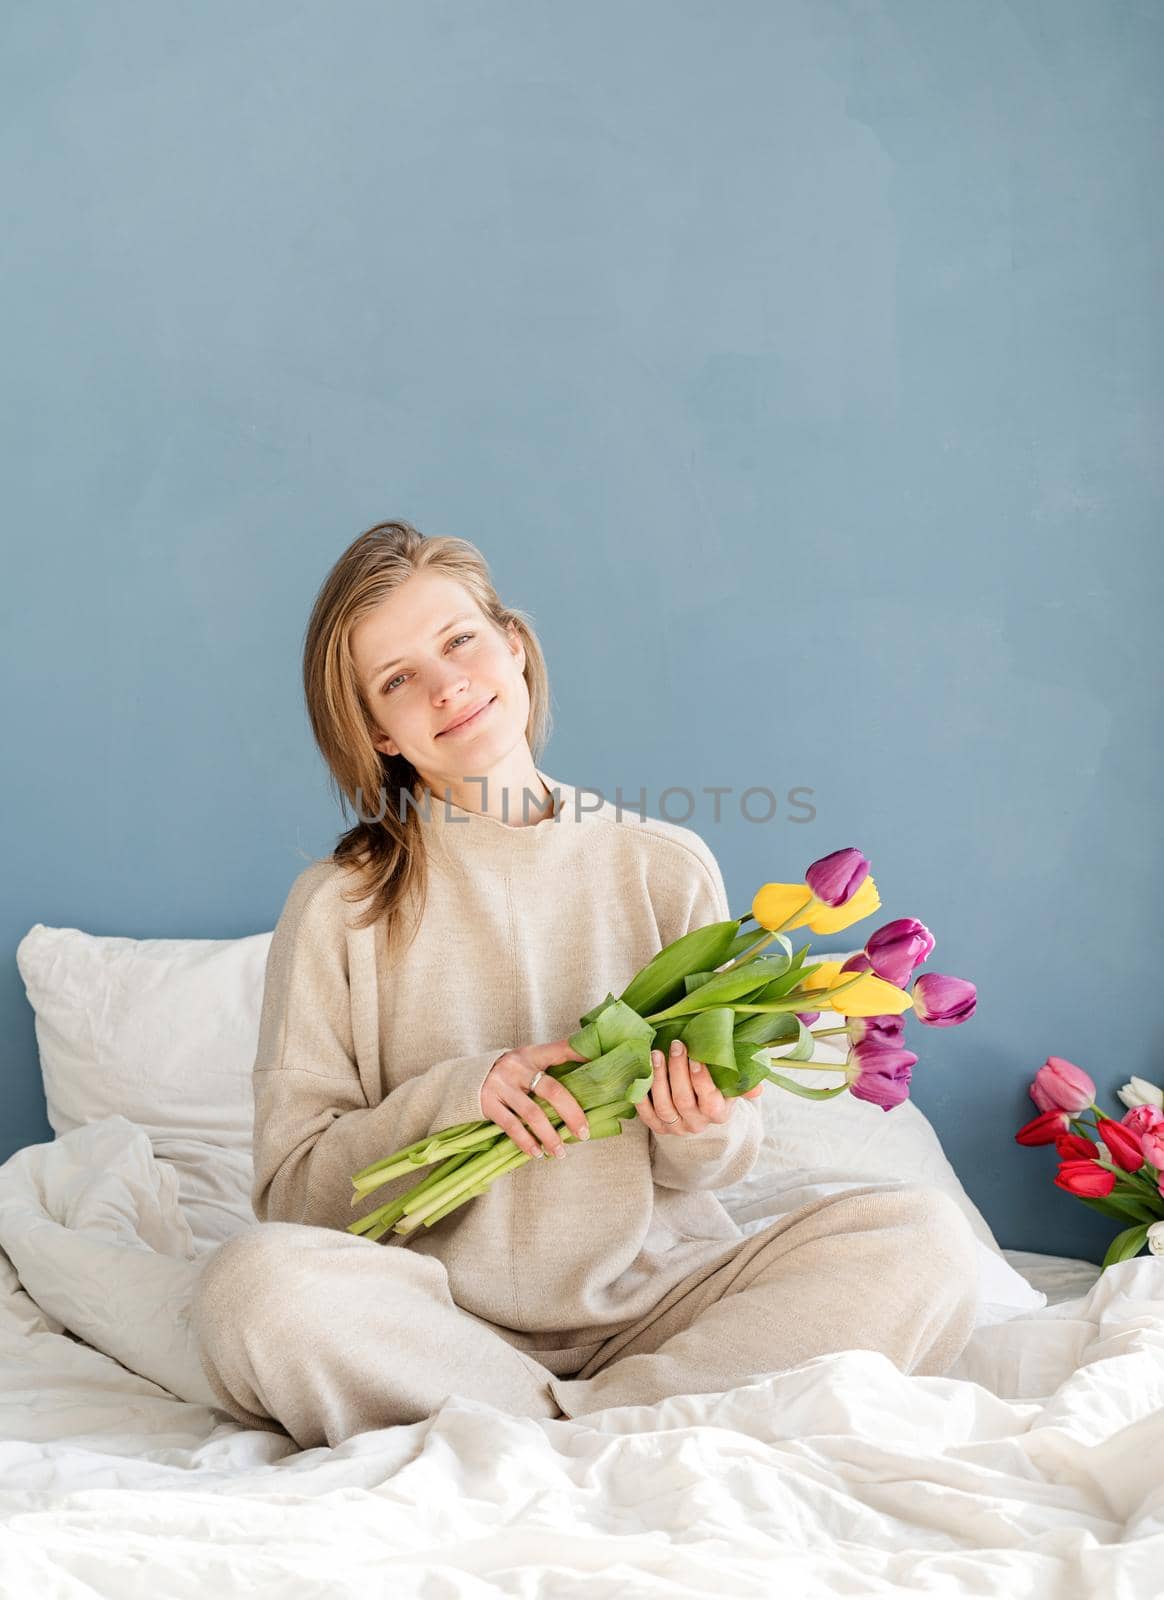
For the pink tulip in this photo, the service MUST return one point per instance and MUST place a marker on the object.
(836, 878)
(883, 1073)
(808, 1017)
(1060, 1085)
(1143, 1119)
(1085, 1178)
(897, 948)
(1152, 1144)
(1123, 1145)
(857, 962)
(943, 1002)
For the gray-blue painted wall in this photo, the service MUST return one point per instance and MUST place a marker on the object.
(798, 366)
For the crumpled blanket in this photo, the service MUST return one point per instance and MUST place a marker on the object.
(1035, 1467)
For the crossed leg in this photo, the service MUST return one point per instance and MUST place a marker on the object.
(324, 1334)
(893, 1270)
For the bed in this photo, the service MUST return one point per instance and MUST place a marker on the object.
(1035, 1466)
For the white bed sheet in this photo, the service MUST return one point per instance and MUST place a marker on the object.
(1035, 1467)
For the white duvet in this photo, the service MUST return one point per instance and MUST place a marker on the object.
(1034, 1468)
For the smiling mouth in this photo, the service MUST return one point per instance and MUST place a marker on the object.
(469, 721)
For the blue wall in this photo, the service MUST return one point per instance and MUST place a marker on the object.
(796, 365)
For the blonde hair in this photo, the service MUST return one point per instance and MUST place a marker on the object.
(387, 851)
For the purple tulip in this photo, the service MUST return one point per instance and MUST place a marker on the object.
(808, 1017)
(883, 1073)
(897, 948)
(943, 1002)
(857, 962)
(837, 877)
(1059, 1085)
(880, 1030)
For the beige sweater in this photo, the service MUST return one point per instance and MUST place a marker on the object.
(524, 929)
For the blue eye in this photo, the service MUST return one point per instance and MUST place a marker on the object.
(387, 689)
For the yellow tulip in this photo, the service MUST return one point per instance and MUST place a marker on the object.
(826, 975)
(870, 996)
(831, 919)
(776, 903)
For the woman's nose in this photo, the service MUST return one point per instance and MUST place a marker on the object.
(446, 685)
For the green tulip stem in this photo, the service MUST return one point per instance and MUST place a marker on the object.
(754, 950)
(477, 1176)
(1140, 1177)
(385, 1216)
(1085, 1130)
(808, 1066)
(1128, 1178)
(418, 1207)
(516, 1160)
(464, 1136)
(410, 1149)
(795, 1002)
(747, 955)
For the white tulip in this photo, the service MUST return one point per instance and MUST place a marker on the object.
(1141, 1093)
(1156, 1239)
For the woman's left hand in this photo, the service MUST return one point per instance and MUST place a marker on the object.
(683, 1097)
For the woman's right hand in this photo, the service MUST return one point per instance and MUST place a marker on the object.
(505, 1099)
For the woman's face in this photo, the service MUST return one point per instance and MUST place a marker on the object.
(425, 658)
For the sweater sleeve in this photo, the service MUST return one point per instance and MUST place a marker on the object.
(313, 1126)
(725, 1152)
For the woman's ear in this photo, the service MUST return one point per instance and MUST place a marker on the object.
(517, 646)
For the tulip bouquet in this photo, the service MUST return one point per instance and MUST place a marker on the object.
(1119, 1172)
(736, 1009)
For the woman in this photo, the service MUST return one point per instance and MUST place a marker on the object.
(430, 972)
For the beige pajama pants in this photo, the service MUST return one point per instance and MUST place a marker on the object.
(297, 1334)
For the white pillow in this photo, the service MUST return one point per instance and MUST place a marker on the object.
(163, 1032)
(815, 1147)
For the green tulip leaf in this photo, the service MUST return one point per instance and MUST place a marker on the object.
(615, 1021)
(1103, 1205)
(1135, 1209)
(1126, 1244)
(752, 938)
(694, 979)
(748, 981)
(1123, 1207)
(622, 1072)
(767, 1027)
(708, 1038)
(595, 1011)
(736, 984)
(785, 985)
(783, 1030)
(660, 982)
(795, 1042)
(751, 1067)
